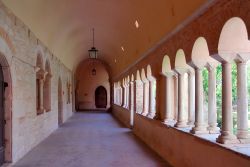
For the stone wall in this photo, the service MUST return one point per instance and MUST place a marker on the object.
(19, 48)
(177, 147)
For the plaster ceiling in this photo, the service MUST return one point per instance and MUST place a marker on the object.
(64, 26)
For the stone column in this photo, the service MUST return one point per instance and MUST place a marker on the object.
(212, 108)
(181, 121)
(134, 103)
(199, 125)
(167, 99)
(145, 98)
(124, 95)
(152, 106)
(128, 96)
(41, 108)
(131, 101)
(226, 135)
(242, 103)
(191, 98)
(176, 96)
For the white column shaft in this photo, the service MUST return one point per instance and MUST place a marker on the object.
(242, 103)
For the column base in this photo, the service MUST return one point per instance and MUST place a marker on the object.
(144, 113)
(243, 134)
(168, 121)
(157, 116)
(227, 139)
(151, 115)
(245, 141)
(199, 130)
(40, 111)
(190, 123)
(181, 124)
(213, 130)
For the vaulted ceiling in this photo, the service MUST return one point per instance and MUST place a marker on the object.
(64, 26)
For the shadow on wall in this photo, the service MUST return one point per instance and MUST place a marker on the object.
(92, 89)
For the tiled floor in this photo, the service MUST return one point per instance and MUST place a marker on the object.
(91, 140)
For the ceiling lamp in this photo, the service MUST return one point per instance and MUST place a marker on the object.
(93, 51)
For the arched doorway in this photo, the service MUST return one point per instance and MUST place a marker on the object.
(60, 102)
(101, 97)
(2, 87)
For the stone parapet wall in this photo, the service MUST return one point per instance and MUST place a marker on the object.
(179, 148)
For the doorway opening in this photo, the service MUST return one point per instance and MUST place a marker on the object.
(101, 97)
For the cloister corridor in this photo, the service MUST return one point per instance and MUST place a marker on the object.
(92, 140)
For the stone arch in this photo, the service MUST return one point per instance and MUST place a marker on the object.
(166, 65)
(7, 107)
(138, 75)
(39, 61)
(143, 76)
(6, 51)
(234, 37)
(200, 52)
(149, 73)
(180, 60)
(132, 77)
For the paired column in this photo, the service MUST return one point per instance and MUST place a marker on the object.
(40, 76)
(242, 103)
(191, 98)
(167, 106)
(200, 126)
(152, 96)
(176, 96)
(181, 121)
(226, 135)
(124, 95)
(128, 95)
(212, 111)
(41, 108)
(145, 98)
(131, 103)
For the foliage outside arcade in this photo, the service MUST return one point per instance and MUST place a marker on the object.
(219, 92)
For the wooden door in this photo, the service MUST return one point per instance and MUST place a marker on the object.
(101, 97)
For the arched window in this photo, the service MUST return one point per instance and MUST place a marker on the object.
(47, 88)
(39, 84)
(68, 92)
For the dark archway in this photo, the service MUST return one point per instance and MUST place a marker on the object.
(2, 87)
(60, 102)
(101, 97)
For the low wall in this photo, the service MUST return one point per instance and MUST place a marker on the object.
(122, 114)
(179, 148)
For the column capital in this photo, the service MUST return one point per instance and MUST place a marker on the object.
(181, 71)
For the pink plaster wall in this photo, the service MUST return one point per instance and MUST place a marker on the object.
(86, 83)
